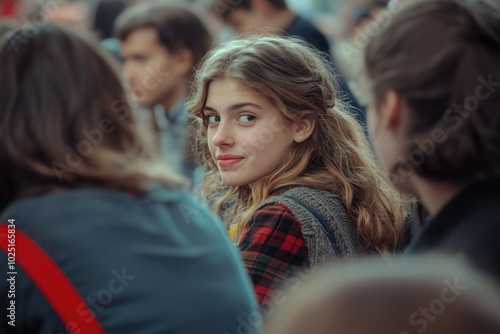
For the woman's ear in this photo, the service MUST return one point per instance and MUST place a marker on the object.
(392, 113)
(302, 129)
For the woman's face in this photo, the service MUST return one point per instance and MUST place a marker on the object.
(246, 135)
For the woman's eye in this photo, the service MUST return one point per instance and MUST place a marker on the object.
(247, 118)
(212, 119)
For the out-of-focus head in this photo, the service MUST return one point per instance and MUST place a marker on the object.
(434, 296)
(65, 120)
(432, 88)
(247, 16)
(161, 44)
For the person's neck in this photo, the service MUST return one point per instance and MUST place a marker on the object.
(281, 19)
(173, 98)
(435, 195)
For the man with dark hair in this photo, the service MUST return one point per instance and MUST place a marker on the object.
(160, 45)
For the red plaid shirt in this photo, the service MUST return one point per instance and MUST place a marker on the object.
(272, 246)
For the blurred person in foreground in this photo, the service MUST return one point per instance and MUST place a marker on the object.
(425, 295)
(87, 191)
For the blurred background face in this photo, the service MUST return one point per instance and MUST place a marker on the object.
(245, 21)
(149, 68)
(76, 14)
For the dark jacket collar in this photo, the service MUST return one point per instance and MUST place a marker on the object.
(462, 209)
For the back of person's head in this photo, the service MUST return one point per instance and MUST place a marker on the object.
(178, 28)
(65, 121)
(434, 296)
(336, 157)
(442, 58)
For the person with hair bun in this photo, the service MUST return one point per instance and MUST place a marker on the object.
(287, 164)
(432, 88)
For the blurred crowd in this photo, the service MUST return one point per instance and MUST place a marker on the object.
(250, 166)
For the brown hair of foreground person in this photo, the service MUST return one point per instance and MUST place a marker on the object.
(65, 120)
(435, 296)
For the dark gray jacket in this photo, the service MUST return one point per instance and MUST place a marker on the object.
(157, 263)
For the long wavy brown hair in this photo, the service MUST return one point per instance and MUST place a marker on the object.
(65, 119)
(298, 81)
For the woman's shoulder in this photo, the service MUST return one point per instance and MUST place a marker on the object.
(311, 195)
(273, 218)
(272, 211)
(289, 202)
(272, 223)
(306, 204)
(311, 192)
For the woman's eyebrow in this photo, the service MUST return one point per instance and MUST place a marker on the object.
(236, 106)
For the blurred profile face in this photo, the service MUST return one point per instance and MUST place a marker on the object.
(246, 135)
(389, 143)
(150, 68)
(376, 136)
(373, 120)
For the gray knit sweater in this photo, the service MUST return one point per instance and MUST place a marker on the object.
(333, 211)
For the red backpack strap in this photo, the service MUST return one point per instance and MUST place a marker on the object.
(50, 280)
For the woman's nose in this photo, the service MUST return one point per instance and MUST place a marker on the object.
(223, 136)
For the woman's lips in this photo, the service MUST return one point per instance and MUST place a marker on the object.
(229, 162)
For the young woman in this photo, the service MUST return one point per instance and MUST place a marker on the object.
(105, 235)
(287, 164)
(434, 113)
